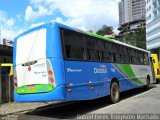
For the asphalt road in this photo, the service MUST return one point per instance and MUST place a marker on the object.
(138, 101)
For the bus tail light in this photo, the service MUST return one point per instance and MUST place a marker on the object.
(15, 82)
(51, 80)
(15, 78)
(50, 73)
(158, 71)
(51, 77)
(15, 85)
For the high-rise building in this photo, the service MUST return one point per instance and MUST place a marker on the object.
(125, 11)
(153, 25)
(138, 10)
(131, 15)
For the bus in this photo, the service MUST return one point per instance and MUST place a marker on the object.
(9, 67)
(55, 62)
(156, 67)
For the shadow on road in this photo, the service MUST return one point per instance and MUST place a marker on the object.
(72, 109)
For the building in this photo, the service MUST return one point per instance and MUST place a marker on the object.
(138, 10)
(131, 15)
(6, 54)
(6, 83)
(125, 11)
(6, 51)
(112, 36)
(153, 26)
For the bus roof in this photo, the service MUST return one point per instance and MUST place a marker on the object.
(115, 41)
(101, 37)
(80, 31)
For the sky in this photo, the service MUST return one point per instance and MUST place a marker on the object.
(17, 16)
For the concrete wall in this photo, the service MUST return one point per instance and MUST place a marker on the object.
(6, 87)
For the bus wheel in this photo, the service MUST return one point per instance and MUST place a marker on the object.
(114, 93)
(147, 82)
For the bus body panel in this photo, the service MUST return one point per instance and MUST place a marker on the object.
(53, 42)
(94, 79)
(33, 41)
(58, 94)
(125, 83)
(137, 73)
(142, 71)
(19, 37)
(47, 35)
(33, 74)
(82, 84)
(156, 65)
(58, 71)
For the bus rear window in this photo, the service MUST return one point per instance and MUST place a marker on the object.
(31, 46)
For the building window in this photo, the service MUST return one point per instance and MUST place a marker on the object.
(155, 13)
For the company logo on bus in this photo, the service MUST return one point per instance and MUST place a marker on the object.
(29, 68)
(102, 69)
(31, 87)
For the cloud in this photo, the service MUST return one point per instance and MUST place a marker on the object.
(10, 22)
(86, 14)
(31, 15)
(10, 34)
(8, 29)
(36, 24)
(3, 16)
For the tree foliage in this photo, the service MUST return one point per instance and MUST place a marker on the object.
(137, 38)
(105, 29)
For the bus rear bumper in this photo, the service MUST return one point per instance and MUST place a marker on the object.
(58, 94)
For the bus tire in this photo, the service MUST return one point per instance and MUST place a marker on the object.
(147, 82)
(114, 93)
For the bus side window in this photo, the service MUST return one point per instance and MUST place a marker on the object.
(114, 57)
(141, 58)
(73, 44)
(92, 49)
(92, 55)
(106, 56)
(146, 59)
(118, 59)
(68, 51)
(77, 53)
(101, 45)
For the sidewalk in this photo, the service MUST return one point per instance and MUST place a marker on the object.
(8, 108)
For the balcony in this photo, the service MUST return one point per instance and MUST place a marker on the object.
(158, 5)
(154, 10)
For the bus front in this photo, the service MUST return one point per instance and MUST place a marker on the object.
(36, 63)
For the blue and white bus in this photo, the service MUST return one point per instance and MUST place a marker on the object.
(54, 62)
